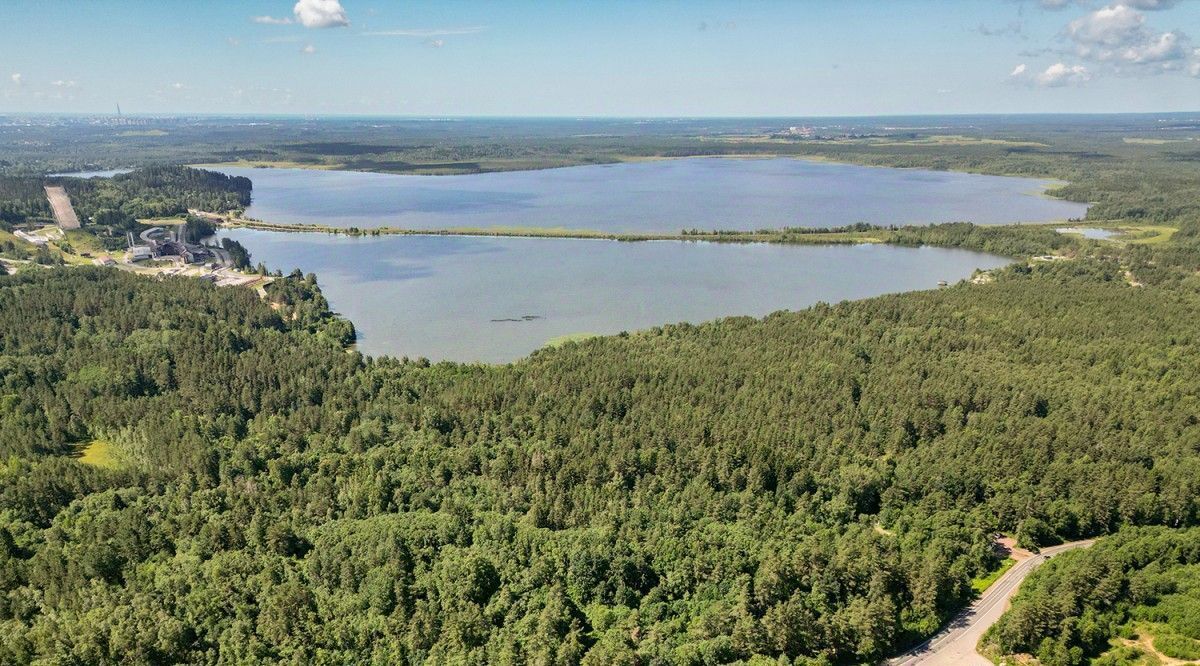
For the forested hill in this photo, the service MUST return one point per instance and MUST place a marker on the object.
(156, 192)
(820, 485)
(116, 203)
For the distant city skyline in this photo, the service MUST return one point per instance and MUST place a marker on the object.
(617, 58)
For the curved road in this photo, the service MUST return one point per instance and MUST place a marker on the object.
(955, 643)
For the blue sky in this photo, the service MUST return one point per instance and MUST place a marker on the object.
(622, 58)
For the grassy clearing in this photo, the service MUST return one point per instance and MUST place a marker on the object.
(982, 583)
(1128, 655)
(85, 241)
(560, 340)
(1147, 234)
(98, 453)
(8, 237)
(1149, 644)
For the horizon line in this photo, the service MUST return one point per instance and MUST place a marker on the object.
(440, 116)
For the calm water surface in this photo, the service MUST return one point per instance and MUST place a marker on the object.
(93, 174)
(661, 196)
(452, 298)
(1088, 232)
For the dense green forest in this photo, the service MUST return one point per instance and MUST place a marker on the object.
(820, 485)
(1142, 583)
(116, 203)
(22, 200)
(110, 208)
(199, 475)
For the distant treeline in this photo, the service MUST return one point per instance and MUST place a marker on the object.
(795, 231)
(1134, 167)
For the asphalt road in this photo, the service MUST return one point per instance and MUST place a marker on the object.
(955, 643)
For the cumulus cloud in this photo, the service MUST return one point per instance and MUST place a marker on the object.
(271, 20)
(16, 79)
(1168, 46)
(436, 43)
(1118, 36)
(1060, 74)
(308, 49)
(1111, 26)
(1055, 76)
(320, 14)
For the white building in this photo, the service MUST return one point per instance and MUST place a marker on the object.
(138, 253)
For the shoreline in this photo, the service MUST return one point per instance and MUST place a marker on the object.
(1047, 185)
(827, 237)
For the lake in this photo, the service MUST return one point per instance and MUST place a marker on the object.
(497, 299)
(92, 174)
(1089, 232)
(657, 196)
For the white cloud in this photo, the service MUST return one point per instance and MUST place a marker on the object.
(1111, 26)
(308, 49)
(63, 84)
(1018, 70)
(177, 86)
(233, 41)
(1054, 4)
(271, 20)
(1166, 47)
(427, 32)
(16, 79)
(436, 43)
(1060, 74)
(320, 13)
(1118, 36)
